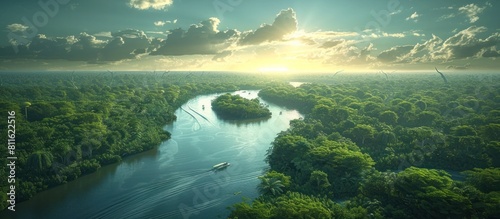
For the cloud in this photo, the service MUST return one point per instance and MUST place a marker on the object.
(370, 33)
(162, 23)
(147, 4)
(396, 12)
(463, 45)
(159, 23)
(106, 34)
(127, 44)
(330, 44)
(413, 17)
(491, 54)
(458, 67)
(471, 11)
(285, 23)
(202, 38)
(394, 54)
(50, 48)
(346, 52)
(220, 57)
(86, 48)
(16, 27)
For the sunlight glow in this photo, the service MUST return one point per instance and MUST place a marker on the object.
(273, 69)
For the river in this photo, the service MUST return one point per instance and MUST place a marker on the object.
(173, 180)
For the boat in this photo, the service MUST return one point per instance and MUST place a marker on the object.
(220, 166)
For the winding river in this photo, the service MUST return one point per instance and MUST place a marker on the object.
(174, 180)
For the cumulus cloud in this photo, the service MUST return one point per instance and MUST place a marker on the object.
(126, 44)
(285, 23)
(51, 48)
(147, 4)
(463, 45)
(17, 27)
(202, 38)
(413, 17)
(394, 54)
(471, 11)
(86, 48)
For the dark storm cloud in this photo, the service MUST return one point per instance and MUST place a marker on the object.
(285, 23)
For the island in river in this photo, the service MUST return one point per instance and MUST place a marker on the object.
(229, 106)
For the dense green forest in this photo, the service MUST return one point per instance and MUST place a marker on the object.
(70, 124)
(406, 147)
(229, 106)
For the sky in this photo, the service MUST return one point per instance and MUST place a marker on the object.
(249, 35)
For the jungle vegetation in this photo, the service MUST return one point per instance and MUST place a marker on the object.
(405, 146)
(229, 106)
(70, 124)
(408, 146)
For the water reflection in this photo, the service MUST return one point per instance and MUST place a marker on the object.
(174, 180)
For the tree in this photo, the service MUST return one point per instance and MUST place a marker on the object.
(491, 131)
(257, 210)
(284, 149)
(40, 161)
(296, 205)
(430, 194)
(487, 180)
(361, 132)
(389, 117)
(270, 186)
(319, 180)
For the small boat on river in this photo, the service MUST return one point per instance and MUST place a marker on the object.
(220, 166)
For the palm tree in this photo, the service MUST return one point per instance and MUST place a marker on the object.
(270, 186)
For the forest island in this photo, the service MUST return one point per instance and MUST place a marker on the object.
(229, 106)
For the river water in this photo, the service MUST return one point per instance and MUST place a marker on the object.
(174, 180)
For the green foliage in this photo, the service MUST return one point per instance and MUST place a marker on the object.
(63, 132)
(229, 106)
(487, 180)
(270, 186)
(257, 210)
(40, 161)
(294, 205)
(352, 126)
(360, 133)
(89, 166)
(389, 117)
